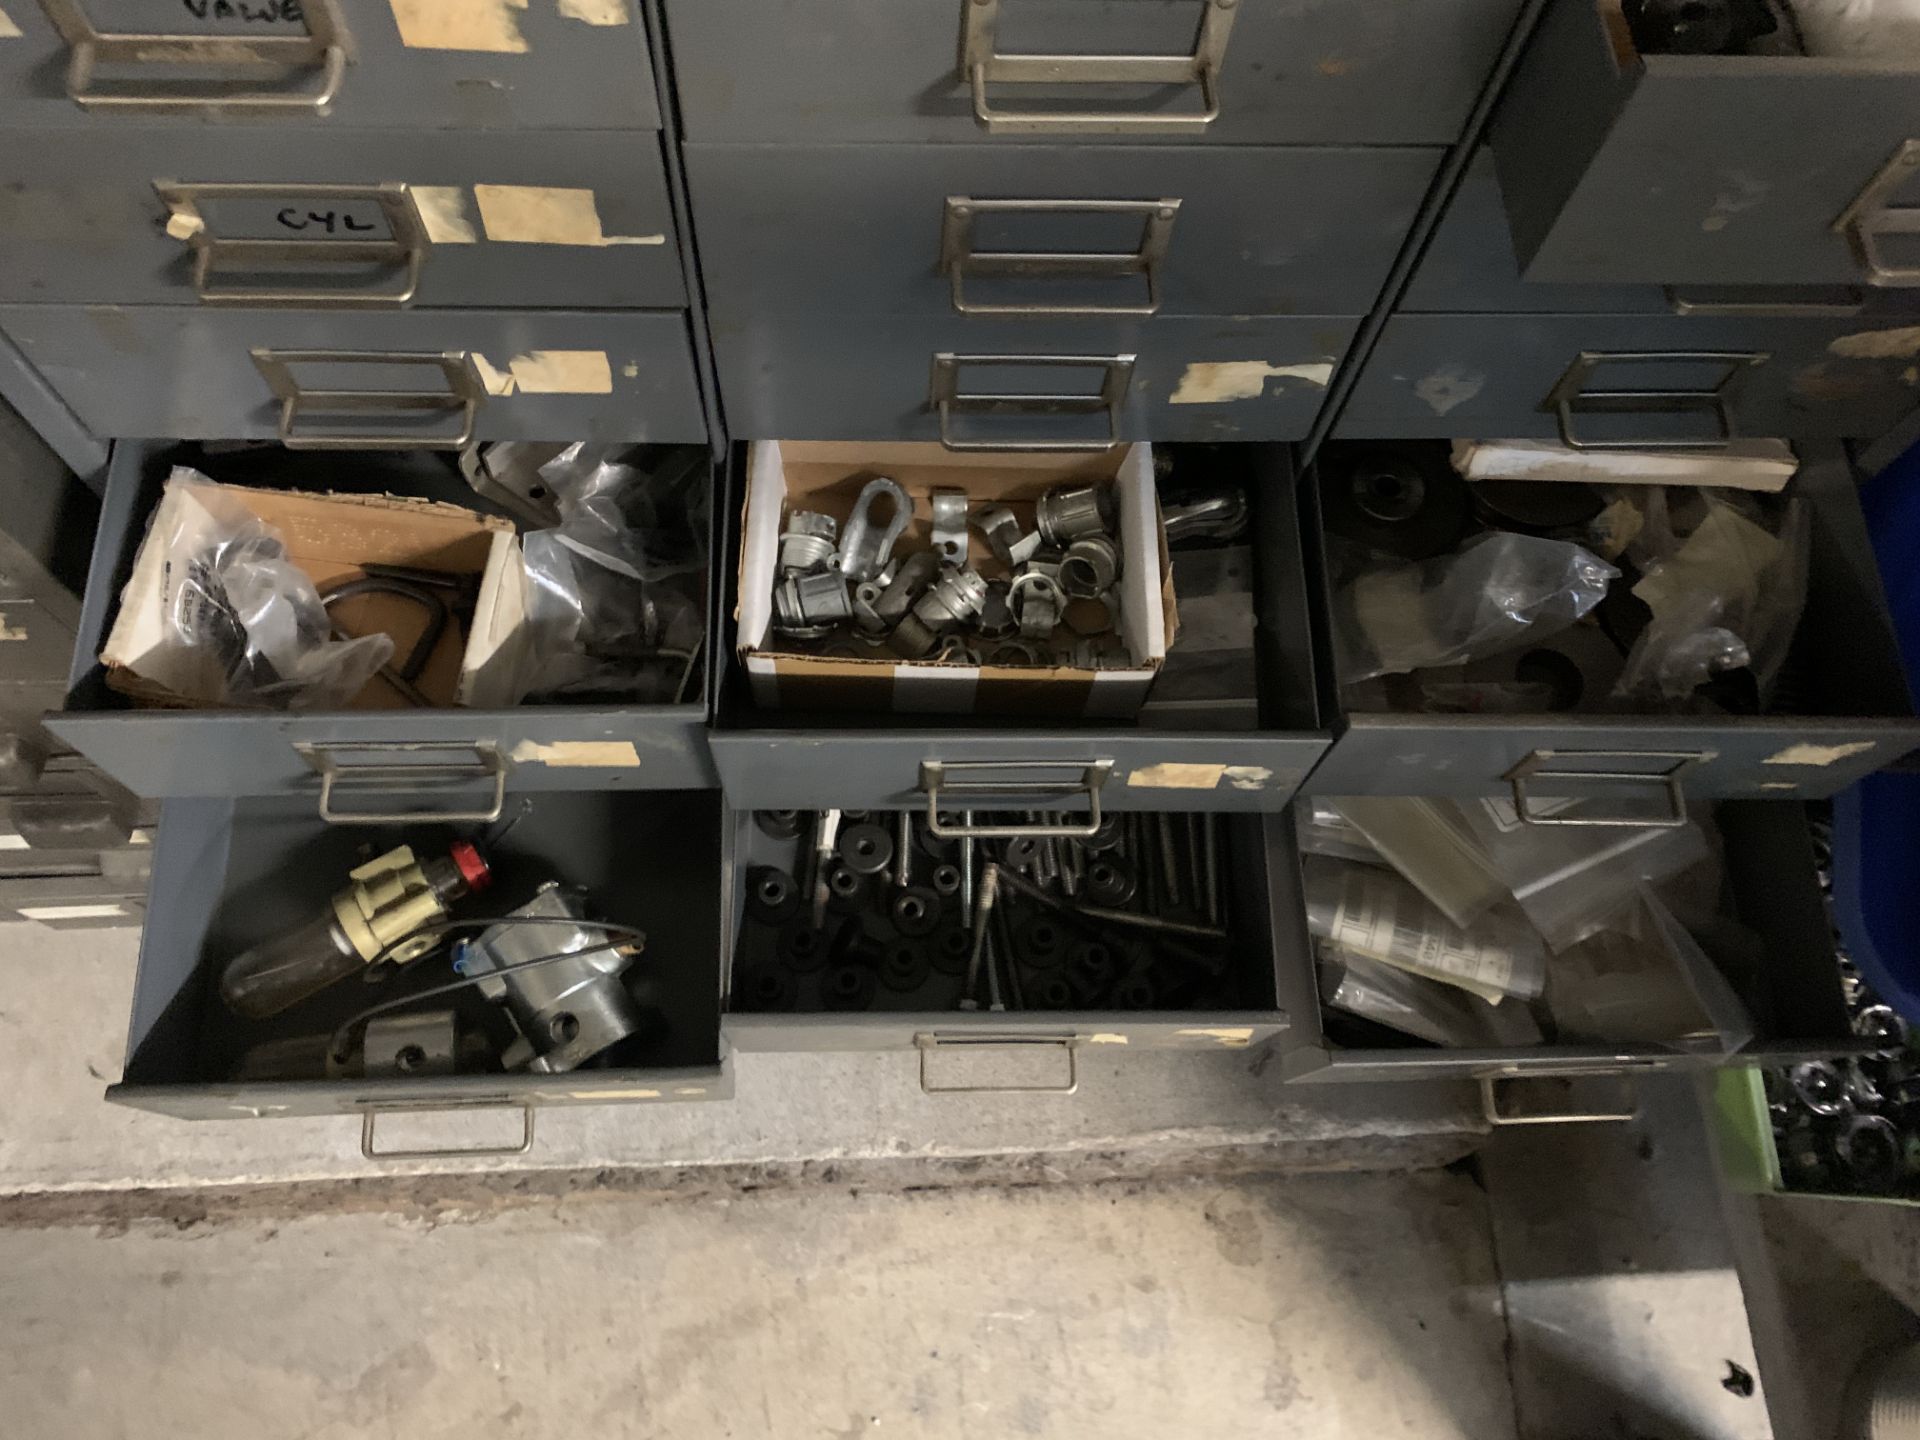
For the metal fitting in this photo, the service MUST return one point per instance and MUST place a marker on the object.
(1037, 604)
(1083, 618)
(950, 525)
(996, 616)
(909, 583)
(1820, 1087)
(1016, 652)
(807, 544)
(1091, 566)
(954, 599)
(1067, 512)
(953, 650)
(868, 545)
(1000, 527)
(807, 607)
(866, 612)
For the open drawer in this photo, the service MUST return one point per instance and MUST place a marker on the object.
(888, 969)
(1842, 701)
(1772, 931)
(1707, 169)
(387, 758)
(1175, 757)
(231, 873)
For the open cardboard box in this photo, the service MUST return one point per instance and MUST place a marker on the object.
(828, 477)
(331, 537)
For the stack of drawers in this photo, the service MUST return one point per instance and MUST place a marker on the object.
(1051, 239)
(352, 220)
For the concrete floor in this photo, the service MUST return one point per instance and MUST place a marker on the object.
(1310, 1306)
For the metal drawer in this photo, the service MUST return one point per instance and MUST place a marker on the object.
(1315, 73)
(181, 752)
(380, 219)
(1012, 382)
(796, 759)
(400, 379)
(1698, 378)
(1845, 662)
(1263, 920)
(433, 64)
(1793, 993)
(1042, 230)
(228, 873)
(1681, 169)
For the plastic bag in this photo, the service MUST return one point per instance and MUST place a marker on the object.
(1645, 980)
(217, 613)
(1427, 843)
(1498, 592)
(1417, 1006)
(1871, 29)
(1320, 829)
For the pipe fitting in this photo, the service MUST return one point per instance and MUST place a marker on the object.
(806, 607)
(808, 543)
(1091, 566)
(1067, 512)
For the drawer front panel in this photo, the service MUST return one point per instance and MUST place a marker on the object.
(825, 378)
(190, 374)
(328, 64)
(859, 229)
(419, 218)
(1324, 72)
(1493, 375)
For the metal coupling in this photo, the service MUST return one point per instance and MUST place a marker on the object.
(866, 608)
(1037, 604)
(1067, 512)
(950, 525)
(807, 607)
(909, 583)
(1091, 566)
(954, 599)
(807, 544)
(1000, 527)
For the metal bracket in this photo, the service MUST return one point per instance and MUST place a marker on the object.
(369, 1116)
(1541, 765)
(1570, 396)
(394, 774)
(949, 400)
(958, 258)
(1873, 215)
(866, 546)
(404, 244)
(982, 65)
(936, 779)
(950, 524)
(926, 1044)
(324, 49)
(466, 392)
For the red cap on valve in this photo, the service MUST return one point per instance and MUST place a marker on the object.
(472, 865)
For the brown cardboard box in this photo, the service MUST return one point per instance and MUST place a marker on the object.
(828, 476)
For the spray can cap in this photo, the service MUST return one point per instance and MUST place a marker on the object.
(472, 865)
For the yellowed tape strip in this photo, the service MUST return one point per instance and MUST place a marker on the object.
(1175, 775)
(547, 215)
(596, 12)
(443, 214)
(577, 754)
(548, 372)
(490, 26)
(8, 30)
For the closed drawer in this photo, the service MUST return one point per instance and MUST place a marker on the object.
(328, 64)
(74, 901)
(1699, 378)
(1318, 73)
(1050, 229)
(386, 759)
(1851, 713)
(1773, 930)
(783, 997)
(460, 374)
(875, 377)
(799, 759)
(231, 873)
(268, 215)
(1684, 169)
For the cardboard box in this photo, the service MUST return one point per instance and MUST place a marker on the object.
(828, 476)
(330, 537)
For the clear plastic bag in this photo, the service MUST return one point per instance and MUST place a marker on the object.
(1323, 830)
(1645, 980)
(1427, 843)
(1885, 30)
(1727, 598)
(1496, 593)
(217, 613)
(1414, 1005)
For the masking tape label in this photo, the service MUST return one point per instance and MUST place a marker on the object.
(548, 372)
(8, 30)
(547, 215)
(1176, 775)
(480, 25)
(72, 912)
(1818, 754)
(1212, 382)
(443, 214)
(576, 754)
(596, 12)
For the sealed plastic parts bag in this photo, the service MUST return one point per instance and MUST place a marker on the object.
(1414, 1005)
(1887, 30)
(1498, 592)
(216, 613)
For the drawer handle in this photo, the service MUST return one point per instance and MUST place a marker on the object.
(927, 1044)
(1839, 304)
(392, 774)
(1497, 1114)
(323, 50)
(950, 400)
(463, 395)
(1874, 214)
(937, 779)
(1544, 765)
(982, 65)
(441, 1152)
(958, 258)
(1571, 396)
(404, 245)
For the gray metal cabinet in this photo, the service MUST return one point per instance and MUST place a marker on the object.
(1844, 677)
(1262, 918)
(1681, 169)
(1288, 72)
(1699, 377)
(920, 230)
(485, 374)
(328, 64)
(272, 215)
(1162, 378)
(229, 873)
(381, 760)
